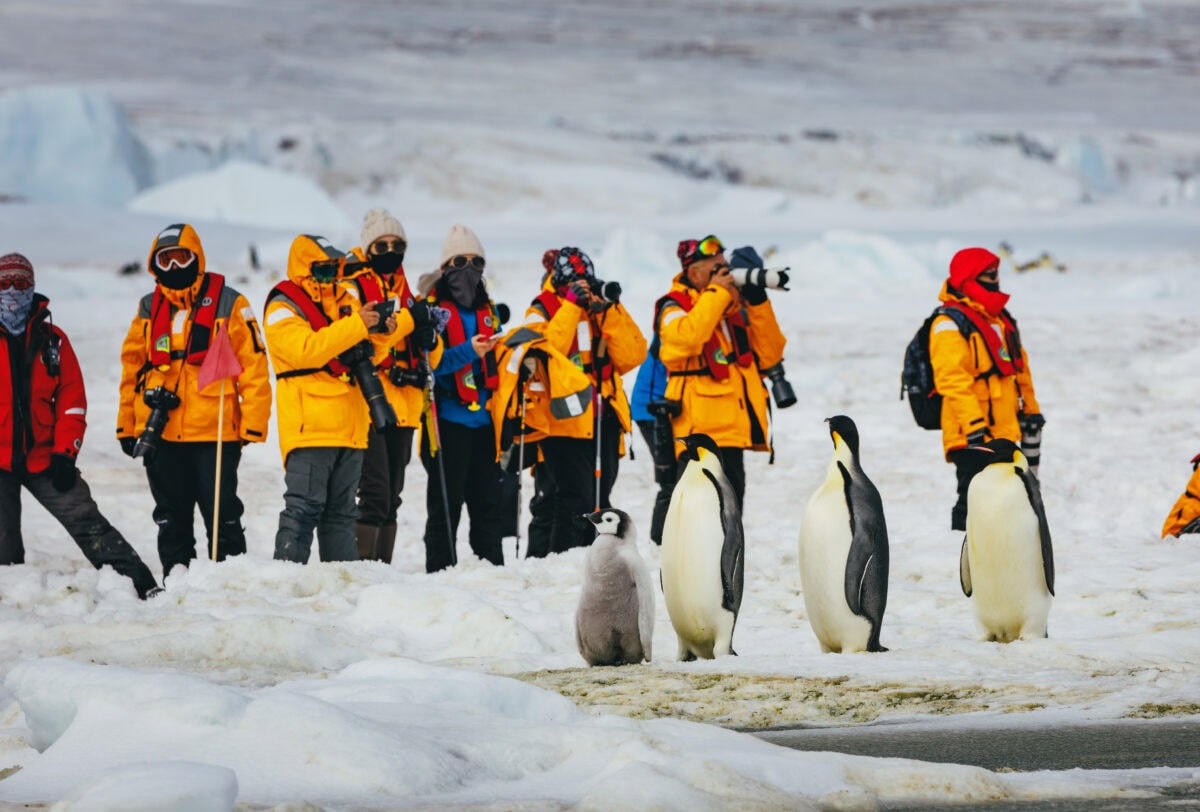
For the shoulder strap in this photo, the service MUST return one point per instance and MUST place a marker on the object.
(316, 319)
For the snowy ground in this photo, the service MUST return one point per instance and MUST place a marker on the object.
(836, 136)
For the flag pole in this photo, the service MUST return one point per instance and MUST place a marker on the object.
(216, 520)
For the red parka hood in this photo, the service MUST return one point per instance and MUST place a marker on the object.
(965, 268)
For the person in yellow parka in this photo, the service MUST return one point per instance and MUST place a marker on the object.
(1184, 517)
(716, 340)
(582, 318)
(167, 341)
(981, 370)
(318, 334)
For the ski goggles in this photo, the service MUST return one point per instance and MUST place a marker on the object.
(16, 283)
(383, 245)
(166, 259)
(572, 262)
(461, 261)
(691, 250)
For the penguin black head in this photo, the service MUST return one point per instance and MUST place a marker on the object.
(610, 522)
(694, 443)
(1001, 450)
(842, 426)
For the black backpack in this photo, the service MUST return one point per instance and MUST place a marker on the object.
(917, 377)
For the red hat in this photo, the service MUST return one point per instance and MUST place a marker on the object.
(16, 266)
(969, 263)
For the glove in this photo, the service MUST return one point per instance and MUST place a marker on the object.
(578, 293)
(977, 437)
(62, 472)
(754, 294)
(424, 335)
(503, 312)
(1031, 423)
(127, 445)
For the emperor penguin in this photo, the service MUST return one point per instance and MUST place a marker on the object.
(844, 551)
(1007, 562)
(615, 619)
(703, 553)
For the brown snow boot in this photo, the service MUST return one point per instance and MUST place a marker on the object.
(387, 542)
(367, 536)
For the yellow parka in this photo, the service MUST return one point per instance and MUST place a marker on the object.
(247, 407)
(974, 394)
(733, 411)
(320, 409)
(621, 340)
(1186, 508)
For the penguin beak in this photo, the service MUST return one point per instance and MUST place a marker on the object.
(594, 518)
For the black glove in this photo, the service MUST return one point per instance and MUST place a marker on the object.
(127, 445)
(503, 313)
(424, 335)
(754, 294)
(62, 472)
(578, 293)
(1031, 423)
(977, 437)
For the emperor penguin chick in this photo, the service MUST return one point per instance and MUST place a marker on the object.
(615, 619)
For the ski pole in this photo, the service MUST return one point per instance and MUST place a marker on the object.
(520, 469)
(599, 422)
(441, 462)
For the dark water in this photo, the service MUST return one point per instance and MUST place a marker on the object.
(1123, 745)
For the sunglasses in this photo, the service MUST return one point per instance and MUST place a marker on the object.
(20, 283)
(460, 262)
(382, 246)
(175, 257)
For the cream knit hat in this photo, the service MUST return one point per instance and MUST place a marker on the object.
(461, 240)
(380, 223)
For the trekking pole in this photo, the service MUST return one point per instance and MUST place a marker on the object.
(216, 519)
(441, 462)
(520, 469)
(601, 346)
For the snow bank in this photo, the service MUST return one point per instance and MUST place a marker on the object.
(66, 145)
(180, 786)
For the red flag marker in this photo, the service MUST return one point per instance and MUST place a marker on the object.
(220, 362)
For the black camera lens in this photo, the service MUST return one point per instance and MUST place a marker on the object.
(161, 402)
(358, 359)
(781, 389)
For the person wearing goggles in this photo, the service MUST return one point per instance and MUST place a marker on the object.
(715, 340)
(583, 319)
(42, 393)
(169, 337)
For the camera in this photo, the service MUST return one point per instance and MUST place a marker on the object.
(774, 278)
(608, 291)
(403, 376)
(664, 438)
(359, 359)
(162, 402)
(781, 390)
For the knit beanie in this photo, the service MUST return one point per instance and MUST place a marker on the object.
(461, 241)
(380, 223)
(16, 266)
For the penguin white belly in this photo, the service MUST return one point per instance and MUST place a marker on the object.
(693, 540)
(1005, 555)
(824, 547)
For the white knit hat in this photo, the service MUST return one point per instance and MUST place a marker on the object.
(461, 240)
(380, 223)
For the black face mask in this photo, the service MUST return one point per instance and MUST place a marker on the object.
(463, 286)
(179, 278)
(387, 263)
(992, 286)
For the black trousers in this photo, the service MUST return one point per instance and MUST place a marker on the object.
(320, 485)
(183, 477)
(76, 511)
(387, 456)
(966, 465)
(662, 499)
(565, 488)
(468, 458)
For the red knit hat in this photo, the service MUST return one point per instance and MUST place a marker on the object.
(16, 266)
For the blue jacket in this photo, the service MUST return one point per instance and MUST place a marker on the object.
(454, 359)
(650, 385)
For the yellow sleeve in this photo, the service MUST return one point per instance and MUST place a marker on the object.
(561, 330)
(254, 384)
(683, 335)
(949, 354)
(133, 356)
(766, 339)
(626, 344)
(295, 345)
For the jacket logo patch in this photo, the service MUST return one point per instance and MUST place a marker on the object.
(163, 344)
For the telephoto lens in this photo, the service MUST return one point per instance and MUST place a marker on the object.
(161, 402)
(781, 389)
(358, 359)
(773, 278)
(664, 438)
(609, 291)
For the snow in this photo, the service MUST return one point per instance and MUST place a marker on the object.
(864, 146)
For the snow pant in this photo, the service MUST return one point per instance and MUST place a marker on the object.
(387, 456)
(664, 475)
(467, 456)
(565, 489)
(319, 493)
(966, 465)
(76, 511)
(183, 477)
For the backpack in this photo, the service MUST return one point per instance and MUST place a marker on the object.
(917, 377)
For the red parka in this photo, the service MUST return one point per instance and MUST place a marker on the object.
(42, 409)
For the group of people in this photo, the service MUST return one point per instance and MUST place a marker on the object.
(362, 359)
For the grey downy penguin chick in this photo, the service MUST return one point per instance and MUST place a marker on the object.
(614, 623)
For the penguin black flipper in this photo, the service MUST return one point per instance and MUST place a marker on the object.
(733, 551)
(1034, 490)
(866, 581)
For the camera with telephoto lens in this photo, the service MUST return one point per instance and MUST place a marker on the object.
(359, 359)
(403, 376)
(773, 278)
(664, 438)
(162, 402)
(608, 291)
(781, 390)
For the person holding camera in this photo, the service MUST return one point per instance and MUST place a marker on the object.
(717, 339)
(328, 391)
(164, 420)
(459, 447)
(582, 318)
(43, 409)
(389, 449)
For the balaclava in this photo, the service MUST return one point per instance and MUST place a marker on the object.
(463, 285)
(16, 292)
(380, 223)
(177, 277)
(965, 268)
